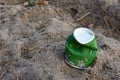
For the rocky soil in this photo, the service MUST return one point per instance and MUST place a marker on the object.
(32, 39)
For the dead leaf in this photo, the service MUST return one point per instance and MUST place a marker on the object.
(42, 2)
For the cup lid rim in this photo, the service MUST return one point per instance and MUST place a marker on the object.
(81, 29)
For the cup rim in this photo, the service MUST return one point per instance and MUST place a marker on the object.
(81, 29)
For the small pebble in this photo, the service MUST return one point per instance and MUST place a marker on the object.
(45, 2)
(91, 25)
(25, 4)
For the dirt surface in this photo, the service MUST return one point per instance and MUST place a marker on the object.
(32, 39)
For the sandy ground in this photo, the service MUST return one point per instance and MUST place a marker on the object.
(32, 39)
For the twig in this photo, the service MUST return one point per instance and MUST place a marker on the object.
(1, 76)
(33, 57)
(6, 65)
(106, 22)
(98, 38)
(30, 49)
(17, 77)
(79, 19)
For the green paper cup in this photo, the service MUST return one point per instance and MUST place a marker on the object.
(80, 48)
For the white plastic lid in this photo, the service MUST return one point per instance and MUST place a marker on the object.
(83, 35)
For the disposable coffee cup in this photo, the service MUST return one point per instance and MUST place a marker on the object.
(81, 48)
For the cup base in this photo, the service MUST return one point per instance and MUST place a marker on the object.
(71, 65)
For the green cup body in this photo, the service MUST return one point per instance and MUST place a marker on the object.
(80, 55)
